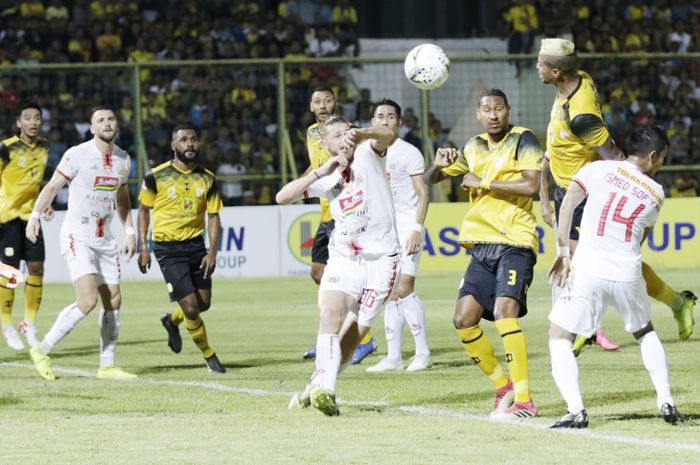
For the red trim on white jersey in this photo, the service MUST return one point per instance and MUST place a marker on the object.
(374, 149)
(581, 184)
(63, 174)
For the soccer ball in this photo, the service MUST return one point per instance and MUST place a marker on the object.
(427, 66)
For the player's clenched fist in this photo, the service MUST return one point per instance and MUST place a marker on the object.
(445, 157)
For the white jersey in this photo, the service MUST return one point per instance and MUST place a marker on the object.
(622, 203)
(94, 179)
(361, 205)
(403, 162)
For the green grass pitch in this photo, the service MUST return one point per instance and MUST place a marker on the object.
(177, 413)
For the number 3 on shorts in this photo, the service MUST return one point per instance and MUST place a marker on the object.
(512, 277)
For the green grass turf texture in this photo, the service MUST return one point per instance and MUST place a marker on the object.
(178, 413)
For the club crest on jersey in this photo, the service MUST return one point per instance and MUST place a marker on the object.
(352, 203)
(105, 183)
(187, 204)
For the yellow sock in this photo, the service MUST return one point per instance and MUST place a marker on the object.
(198, 333)
(657, 287)
(7, 299)
(516, 356)
(367, 338)
(33, 288)
(177, 316)
(480, 349)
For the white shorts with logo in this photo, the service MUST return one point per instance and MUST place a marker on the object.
(371, 282)
(409, 263)
(84, 258)
(582, 305)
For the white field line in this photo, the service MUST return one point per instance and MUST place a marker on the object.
(433, 412)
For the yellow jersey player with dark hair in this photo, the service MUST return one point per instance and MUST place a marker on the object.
(323, 105)
(576, 136)
(23, 161)
(502, 175)
(181, 193)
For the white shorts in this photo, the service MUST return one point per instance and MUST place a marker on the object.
(409, 263)
(83, 258)
(371, 282)
(582, 305)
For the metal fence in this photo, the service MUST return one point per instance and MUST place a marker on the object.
(239, 106)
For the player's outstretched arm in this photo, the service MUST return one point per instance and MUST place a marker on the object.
(46, 196)
(381, 137)
(142, 222)
(444, 157)
(294, 190)
(123, 201)
(545, 206)
(214, 232)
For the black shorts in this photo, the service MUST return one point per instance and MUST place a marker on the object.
(179, 262)
(559, 194)
(498, 270)
(14, 245)
(319, 251)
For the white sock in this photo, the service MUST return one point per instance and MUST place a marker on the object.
(393, 329)
(654, 358)
(64, 324)
(109, 333)
(415, 316)
(565, 373)
(327, 360)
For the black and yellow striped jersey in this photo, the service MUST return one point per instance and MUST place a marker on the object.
(576, 129)
(179, 200)
(318, 156)
(493, 217)
(22, 169)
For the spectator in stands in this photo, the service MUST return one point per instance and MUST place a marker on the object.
(344, 17)
(109, 42)
(363, 109)
(56, 11)
(323, 44)
(557, 18)
(523, 23)
(685, 185)
(231, 191)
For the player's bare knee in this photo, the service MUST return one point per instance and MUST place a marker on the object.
(86, 303)
(404, 289)
(35, 268)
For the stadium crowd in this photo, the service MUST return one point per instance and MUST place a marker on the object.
(236, 106)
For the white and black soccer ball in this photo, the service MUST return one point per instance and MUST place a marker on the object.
(427, 66)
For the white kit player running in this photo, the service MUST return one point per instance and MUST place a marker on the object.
(98, 172)
(622, 206)
(363, 251)
(405, 167)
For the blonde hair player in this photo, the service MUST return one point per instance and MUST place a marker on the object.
(576, 136)
(363, 251)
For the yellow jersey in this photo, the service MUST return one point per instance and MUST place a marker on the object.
(495, 218)
(576, 128)
(318, 156)
(22, 169)
(179, 200)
